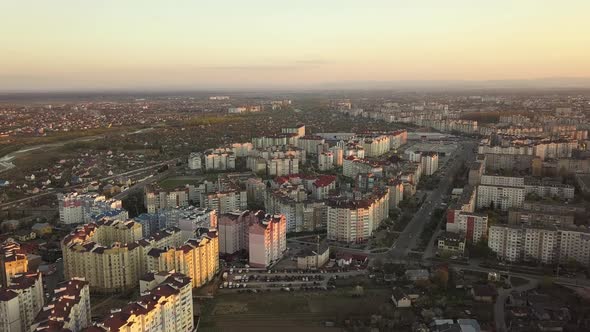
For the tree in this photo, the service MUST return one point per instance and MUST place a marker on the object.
(546, 282)
(441, 278)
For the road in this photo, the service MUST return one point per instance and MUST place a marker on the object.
(410, 235)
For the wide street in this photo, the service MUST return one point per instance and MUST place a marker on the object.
(408, 237)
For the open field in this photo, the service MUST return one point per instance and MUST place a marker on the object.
(298, 311)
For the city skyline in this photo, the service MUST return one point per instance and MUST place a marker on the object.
(65, 45)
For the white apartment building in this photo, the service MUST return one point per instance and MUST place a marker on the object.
(338, 154)
(220, 160)
(429, 162)
(474, 226)
(195, 161)
(77, 208)
(225, 201)
(10, 315)
(285, 139)
(508, 181)
(376, 145)
(157, 198)
(20, 302)
(352, 149)
(282, 166)
(165, 305)
(500, 197)
(299, 130)
(355, 221)
(544, 244)
(353, 166)
(546, 189)
(310, 143)
(267, 240)
(325, 161)
(68, 310)
(396, 192)
(197, 258)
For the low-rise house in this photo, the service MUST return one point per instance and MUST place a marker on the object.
(400, 299)
(417, 275)
(484, 293)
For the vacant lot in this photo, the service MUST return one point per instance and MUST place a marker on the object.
(297, 311)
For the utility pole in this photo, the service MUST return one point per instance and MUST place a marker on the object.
(317, 254)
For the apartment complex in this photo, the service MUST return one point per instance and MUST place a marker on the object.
(77, 208)
(165, 305)
(540, 243)
(157, 198)
(354, 221)
(233, 230)
(69, 310)
(267, 239)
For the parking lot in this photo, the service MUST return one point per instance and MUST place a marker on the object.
(254, 280)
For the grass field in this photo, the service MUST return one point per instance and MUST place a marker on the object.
(299, 311)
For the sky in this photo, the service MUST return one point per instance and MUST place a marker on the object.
(200, 44)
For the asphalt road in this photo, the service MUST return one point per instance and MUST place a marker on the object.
(410, 235)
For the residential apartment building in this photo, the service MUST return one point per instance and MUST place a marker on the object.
(538, 243)
(282, 166)
(354, 221)
(310, 144)
(20, 302)
(325, 161)
(352, 166)
(474, 226)
(396, 192)
(157, 198)
(225, 201)
(13, 261)
(533, 217)
(197, 258)
(77, 208)
(69, 310)
(165, 305)
(233, 230)
(299, 130)
(374, 145)
(284, 139)
(267, 240)
(195, 161)
(500, 197)
(219, 160)
(547, 188)
(429, 162)
(338, 155)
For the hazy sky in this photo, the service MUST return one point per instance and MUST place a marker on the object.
(78, 44)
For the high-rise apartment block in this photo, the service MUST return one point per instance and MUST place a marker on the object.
(158, 198)
(267, 239)
(69, 310)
